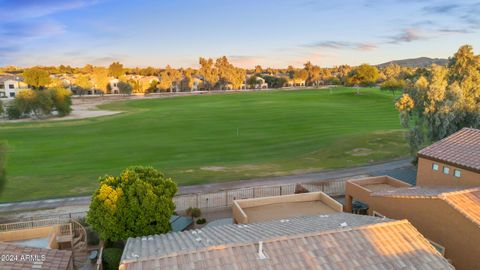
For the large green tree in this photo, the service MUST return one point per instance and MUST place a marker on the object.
(444, 101)
(393, 85)
(208, 72)
(37, 78)
(124, 88)
(136, 203)
(116, 70)
(364, 75)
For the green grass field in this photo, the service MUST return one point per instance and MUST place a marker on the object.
(207, 138)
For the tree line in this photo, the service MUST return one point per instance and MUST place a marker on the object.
(212, 74)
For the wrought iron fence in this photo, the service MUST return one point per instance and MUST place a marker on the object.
(211, 200)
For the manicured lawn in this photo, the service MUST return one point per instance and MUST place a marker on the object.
(205, 138)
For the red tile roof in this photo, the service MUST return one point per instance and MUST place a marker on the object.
(461, 149)
(22, 257)
(467, 202)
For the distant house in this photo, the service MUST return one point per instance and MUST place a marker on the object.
(453, 161)
(113, 86)
(327, 241)
(295, 82)
(259, 83)
(197, 84)
(10, 85)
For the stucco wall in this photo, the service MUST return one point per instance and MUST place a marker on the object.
(426, 176)
(239, 215)
(437, 221)
(26, 234)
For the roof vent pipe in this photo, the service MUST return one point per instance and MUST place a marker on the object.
(261, 255)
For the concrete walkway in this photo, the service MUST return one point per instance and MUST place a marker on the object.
(381, 168)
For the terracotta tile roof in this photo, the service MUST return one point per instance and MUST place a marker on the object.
(158, 245)
(461, 149)
(466, 202)
(380, 244)
(54, 259)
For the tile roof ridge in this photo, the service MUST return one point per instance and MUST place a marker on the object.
(459, 209)
(446, 194)
(269, 240)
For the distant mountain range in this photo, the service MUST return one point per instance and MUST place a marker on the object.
(416, 62)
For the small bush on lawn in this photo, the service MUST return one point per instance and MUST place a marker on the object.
(201, 221)
(194, 212)
(13, 113)
(111, 258)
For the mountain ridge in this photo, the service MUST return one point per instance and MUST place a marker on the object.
(416, 62)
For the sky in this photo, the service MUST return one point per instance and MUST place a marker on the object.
(270, 33)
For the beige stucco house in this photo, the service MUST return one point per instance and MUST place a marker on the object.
(453, 161)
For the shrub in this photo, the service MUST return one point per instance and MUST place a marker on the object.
(44, 102)
(111, 258)
(201, 221)
(13, 113)
(25, 101)
(194, 212)
(62, 101)
(136, 203)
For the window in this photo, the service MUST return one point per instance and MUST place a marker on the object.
(376, 214)
(11, 86)
(435, 166)
(446, 170)
(12, 94)
(438, 247)
(457, 173)
(2, 86)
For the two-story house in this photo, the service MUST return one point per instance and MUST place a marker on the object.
(10, 85)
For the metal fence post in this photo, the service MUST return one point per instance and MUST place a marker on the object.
(226, 198)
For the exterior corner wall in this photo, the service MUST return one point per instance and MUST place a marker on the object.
(239, 217)
(438, 222)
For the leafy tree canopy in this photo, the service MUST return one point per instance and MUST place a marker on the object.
(444, 100)
(36, 77)
(116, 70)
(135, 203)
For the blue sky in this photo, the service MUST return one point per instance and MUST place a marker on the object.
(272, 33)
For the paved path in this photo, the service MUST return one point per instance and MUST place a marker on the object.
(372, 169)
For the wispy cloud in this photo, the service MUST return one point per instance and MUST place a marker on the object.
(441, 9)
(342, 45)
(21, 9)
(27, 30)
(408, 35)
(246, 61)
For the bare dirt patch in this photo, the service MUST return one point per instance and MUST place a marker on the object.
(360, 152)
(214, 168)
